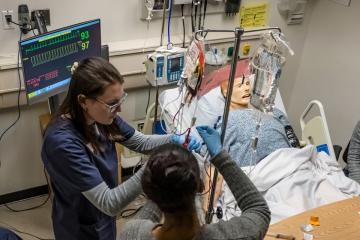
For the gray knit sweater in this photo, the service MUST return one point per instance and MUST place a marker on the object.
(354, 154)
(111, 201)
(252, 224)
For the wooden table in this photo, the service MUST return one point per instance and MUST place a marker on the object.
(339, 220)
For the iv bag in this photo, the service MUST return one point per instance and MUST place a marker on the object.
(194, 66)
(267, 62)
(149, 4)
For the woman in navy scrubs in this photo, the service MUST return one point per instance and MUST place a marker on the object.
(80, 157)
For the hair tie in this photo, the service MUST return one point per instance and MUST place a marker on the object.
(74, 67)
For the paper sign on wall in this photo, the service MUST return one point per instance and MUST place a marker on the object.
(253, 16)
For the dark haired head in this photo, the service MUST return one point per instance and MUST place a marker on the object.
(92, 76)
(171, 179)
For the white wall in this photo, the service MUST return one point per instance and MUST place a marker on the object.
(20, 149)
(21, 166)
(329, 69)
(296, 36)
(120, 19)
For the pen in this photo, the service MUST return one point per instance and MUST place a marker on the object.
(281, 236)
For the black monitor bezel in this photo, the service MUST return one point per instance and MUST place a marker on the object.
(62, 88)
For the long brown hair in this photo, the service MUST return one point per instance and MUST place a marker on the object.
(91, 78)
(171, 179)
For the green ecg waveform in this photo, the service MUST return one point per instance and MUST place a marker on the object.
(54, 54)
(52, 41)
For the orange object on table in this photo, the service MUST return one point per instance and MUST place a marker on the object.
(314, 220)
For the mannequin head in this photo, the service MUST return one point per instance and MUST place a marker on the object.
(241, 94)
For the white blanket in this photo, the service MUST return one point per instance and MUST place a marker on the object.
(293, 181)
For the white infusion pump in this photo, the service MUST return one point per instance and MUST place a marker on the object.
(165, 66)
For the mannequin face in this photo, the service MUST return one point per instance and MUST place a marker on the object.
(241, 93)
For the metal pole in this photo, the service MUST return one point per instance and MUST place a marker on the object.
(156, 108)
(163, 23)
(238, 33)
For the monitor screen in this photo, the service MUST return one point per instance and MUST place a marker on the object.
(47, 58)
(175, 64)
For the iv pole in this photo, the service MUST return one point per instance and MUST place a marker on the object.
(238, 33)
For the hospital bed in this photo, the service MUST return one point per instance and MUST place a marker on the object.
(315, 131)
(304, 178)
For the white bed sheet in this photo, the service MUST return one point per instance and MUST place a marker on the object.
(295, 180)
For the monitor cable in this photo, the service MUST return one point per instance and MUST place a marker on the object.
(15, 23)
(22, 26)
(18, 97)
(13, 124)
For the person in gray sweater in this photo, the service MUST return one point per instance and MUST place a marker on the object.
(171, 180)
(354, 154)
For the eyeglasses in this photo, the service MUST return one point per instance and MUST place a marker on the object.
(112, 108)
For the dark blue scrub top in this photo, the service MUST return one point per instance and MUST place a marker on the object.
(73, 169)
(6, 234)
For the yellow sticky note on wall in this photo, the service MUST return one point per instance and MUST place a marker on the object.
(253, 16)
(246, 49)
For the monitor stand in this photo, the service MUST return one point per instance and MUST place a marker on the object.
(40, 25)
(54, 103)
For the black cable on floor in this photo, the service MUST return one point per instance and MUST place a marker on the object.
(37, 206)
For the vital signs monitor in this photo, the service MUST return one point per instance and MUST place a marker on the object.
(47, 58)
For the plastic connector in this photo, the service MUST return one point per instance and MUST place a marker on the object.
(8, 18)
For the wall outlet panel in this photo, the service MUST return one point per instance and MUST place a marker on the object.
(5, 25)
